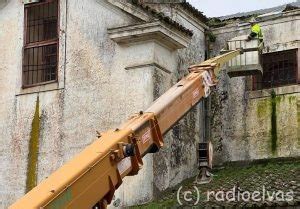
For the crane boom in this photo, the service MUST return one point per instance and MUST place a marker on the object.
(92, 176)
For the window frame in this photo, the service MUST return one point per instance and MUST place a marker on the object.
(256, 86)
(40, 43)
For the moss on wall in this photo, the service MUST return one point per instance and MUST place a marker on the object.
(292, 99)
(32, 163)
(274, 100)
(262, 108)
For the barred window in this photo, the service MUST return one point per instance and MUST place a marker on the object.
(40, 58)
(279, 69)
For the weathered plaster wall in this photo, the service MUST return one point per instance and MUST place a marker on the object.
(241, 119)
(177, 160)
(139, 86)
(13, 172)
(94, 92)
(261, 131)
(17, 109)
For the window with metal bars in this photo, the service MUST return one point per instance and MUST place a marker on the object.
(279, 69)
(40, 58)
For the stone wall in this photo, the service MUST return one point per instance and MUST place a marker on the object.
(243, 121)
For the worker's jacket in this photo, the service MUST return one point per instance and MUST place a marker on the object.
(256, 32)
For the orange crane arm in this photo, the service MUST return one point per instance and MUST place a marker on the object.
(93, 176)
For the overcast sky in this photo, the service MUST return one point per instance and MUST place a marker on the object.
(217, 8)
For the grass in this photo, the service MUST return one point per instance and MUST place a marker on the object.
(274, 175)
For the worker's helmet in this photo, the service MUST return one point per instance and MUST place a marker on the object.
(253, 20)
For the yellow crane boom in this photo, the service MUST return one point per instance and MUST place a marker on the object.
(92, 177)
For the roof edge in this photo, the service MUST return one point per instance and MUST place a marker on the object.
(160, 16)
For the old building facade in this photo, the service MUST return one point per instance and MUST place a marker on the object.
(71, 68)
(257, 117)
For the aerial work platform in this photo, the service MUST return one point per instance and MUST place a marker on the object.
(247, 63)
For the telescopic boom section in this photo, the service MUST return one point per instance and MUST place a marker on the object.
(92, 177)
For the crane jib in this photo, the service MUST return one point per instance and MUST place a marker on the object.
(93, 175)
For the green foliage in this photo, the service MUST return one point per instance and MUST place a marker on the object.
(250, 176)
(216, 22)
(33, 149)
(211, 37)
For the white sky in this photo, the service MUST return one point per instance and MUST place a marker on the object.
(217, 8)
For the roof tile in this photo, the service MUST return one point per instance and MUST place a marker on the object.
(162, 17)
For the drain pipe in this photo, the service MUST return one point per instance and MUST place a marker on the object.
(207, 101)
(204, 150)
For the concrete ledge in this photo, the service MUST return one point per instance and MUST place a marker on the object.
(154, 64)
(149, 31)
(292, 89)
(54, 86)
(282, 46)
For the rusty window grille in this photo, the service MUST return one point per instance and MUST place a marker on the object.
(40, 58)
(279, 69)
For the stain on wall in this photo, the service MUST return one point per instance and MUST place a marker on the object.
(273, 122)
(253, 125)
(177, 160)
(33, 149)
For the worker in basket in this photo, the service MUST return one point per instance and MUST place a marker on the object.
(255, 30)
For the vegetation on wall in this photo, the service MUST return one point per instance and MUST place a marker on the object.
(216, 22)
(211, 37)
(262, 110)
(33, 149)
(292, 99)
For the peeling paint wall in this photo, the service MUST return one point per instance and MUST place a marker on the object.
(250, 125)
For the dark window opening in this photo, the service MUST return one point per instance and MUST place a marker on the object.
(41, 43)
(279, 69)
